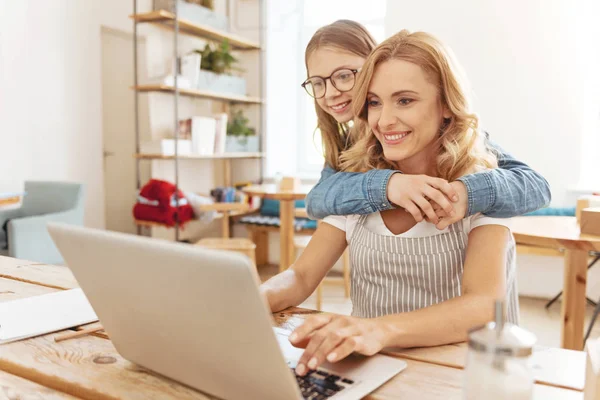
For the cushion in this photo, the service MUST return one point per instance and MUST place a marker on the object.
(299, 223)
(271, 207)
(555, 211)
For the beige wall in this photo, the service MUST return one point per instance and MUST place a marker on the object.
(50, 93)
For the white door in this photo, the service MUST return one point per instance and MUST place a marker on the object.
(118, 117)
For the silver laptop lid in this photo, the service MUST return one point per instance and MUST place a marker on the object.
(192, 314)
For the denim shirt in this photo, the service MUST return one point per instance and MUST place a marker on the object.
(507, 191)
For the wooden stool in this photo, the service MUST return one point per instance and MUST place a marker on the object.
(241, 245)
(300, 242)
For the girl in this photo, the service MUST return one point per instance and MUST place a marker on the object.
(412, 285)
(333, 57)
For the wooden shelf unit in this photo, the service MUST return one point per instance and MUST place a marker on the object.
(225, 211)
(166, 19)
(204, 94)
(224, 156)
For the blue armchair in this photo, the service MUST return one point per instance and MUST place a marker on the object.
(44, 202)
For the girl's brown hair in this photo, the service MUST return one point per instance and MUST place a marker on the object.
(347, 36)
(461, 146)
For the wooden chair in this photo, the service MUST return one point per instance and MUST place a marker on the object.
(240, 245)
(300, 243)
(266, 220)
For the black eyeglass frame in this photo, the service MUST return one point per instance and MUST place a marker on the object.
(306, 82)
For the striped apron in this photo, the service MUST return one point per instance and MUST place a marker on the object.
(392, 274)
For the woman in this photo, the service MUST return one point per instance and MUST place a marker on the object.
(412, 284)
(333, 57)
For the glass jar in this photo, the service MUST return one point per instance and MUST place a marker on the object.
(499, 361)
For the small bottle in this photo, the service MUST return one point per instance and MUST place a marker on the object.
(498, 361)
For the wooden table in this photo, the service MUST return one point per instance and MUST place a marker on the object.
(286, 215)
(563, 233)
(90, 368)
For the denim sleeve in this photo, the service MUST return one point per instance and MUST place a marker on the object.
(344, 193)
(510, 190)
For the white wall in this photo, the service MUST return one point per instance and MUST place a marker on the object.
(50, 93)
(524, 66)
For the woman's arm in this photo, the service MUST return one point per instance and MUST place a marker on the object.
(484, 281)
(345, 193)
(294, 285)
(512, 189)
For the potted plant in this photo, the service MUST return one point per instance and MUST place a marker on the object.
(195, 11)
(216, 67)
(240, 137)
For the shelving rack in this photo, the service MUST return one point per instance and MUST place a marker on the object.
(170, 21)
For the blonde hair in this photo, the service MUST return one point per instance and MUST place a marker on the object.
(461, 146)
(347, 36)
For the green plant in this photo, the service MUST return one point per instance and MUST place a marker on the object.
(238, 126)
(218, 59)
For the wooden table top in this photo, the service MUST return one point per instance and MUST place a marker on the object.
(271, 191)
(89, 367)
(554, 232)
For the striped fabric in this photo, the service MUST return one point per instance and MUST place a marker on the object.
(392, 274)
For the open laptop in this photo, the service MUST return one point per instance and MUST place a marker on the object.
(196, 316)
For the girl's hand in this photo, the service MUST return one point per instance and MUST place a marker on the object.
(418, 193)
(460, 207)
(334, 337)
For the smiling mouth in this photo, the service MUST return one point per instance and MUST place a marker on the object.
(341, 106)
(395, 137)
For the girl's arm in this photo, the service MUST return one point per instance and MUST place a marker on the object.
(294, 285)
(512, 189)
(334, 337)
(345, 193)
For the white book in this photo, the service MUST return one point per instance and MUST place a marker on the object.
(221, 133)
(190, 67)
(203, 135)
(39, 315)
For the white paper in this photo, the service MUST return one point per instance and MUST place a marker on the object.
(39, 315)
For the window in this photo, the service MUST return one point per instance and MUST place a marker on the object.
(588, 47)
(317, 13)
(290, 113)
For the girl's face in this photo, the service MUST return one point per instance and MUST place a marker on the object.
(405, 113)
(334, 63)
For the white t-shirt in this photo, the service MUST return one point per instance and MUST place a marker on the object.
(375, 224)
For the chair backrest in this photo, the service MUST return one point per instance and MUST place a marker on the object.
(44, 197)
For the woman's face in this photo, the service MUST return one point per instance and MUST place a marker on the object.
(405, 112)
(325, 62)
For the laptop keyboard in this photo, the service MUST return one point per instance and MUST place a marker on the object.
(321, 385)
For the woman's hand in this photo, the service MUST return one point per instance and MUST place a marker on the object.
(417, 194)
(334, 337)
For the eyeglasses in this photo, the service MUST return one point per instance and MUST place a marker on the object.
(341, 79)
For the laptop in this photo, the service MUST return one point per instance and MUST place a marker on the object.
(196, 316)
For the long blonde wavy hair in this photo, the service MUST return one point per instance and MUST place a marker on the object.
(461, 146)
(347, 36)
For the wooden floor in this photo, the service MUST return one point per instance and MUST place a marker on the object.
(545, 324)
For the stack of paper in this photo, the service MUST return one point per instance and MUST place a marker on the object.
(39, 315)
